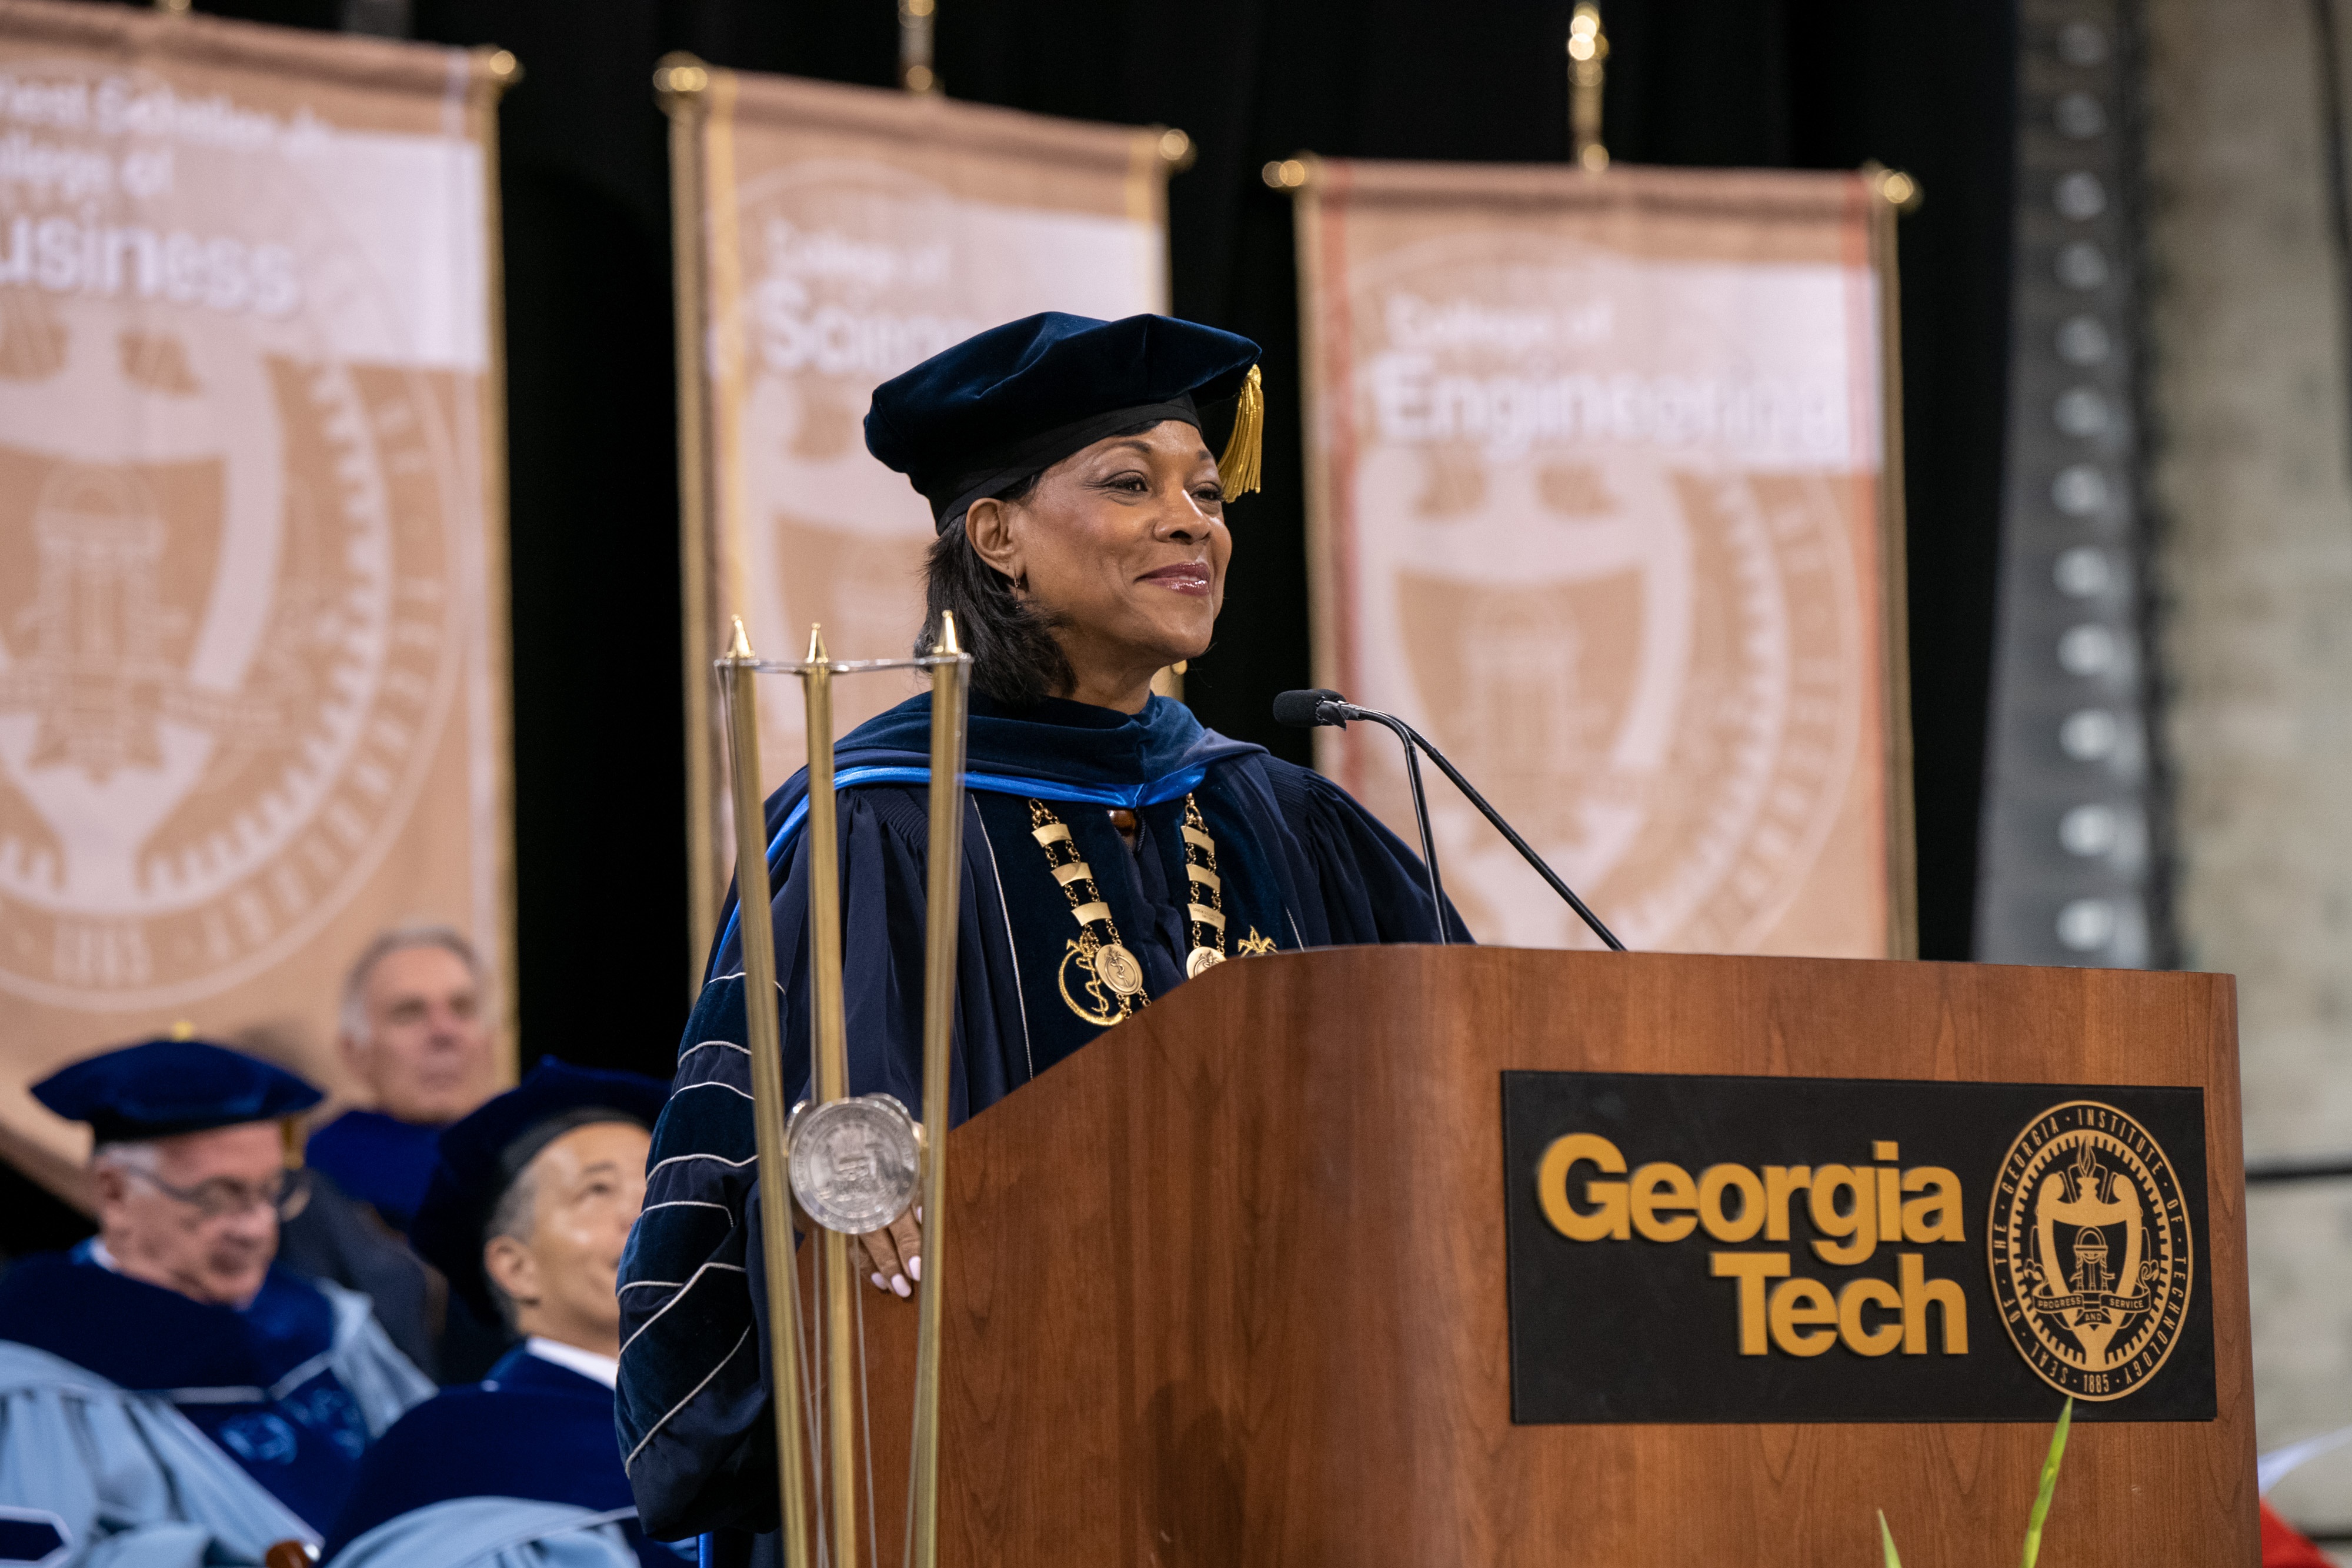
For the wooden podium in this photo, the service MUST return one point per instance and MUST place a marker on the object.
(1229, 1286)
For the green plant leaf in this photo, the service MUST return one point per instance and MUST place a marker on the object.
(2049, 1484)
(1886, 1541)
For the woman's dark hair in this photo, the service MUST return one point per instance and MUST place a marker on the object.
(1015, 658)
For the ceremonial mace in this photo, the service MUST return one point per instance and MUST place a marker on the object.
(852, 1163)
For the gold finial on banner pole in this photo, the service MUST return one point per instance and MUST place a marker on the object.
(1897, 189)
(915, 72)
(498, 66)
(951, 688)
(680, 74)
(831, 1074)
(763, 1038)
(1588, 46)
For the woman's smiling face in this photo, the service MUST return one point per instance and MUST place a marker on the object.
(1124, 546)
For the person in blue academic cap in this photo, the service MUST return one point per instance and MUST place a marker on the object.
(165, 1388)
(526, 1212)
(1113, 847)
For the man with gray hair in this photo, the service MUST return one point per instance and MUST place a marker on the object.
(413, 1032)
(167, 1395)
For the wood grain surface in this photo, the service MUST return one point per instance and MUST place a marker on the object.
(1228, 1286)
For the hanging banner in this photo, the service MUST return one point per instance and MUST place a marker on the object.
(1604, 499)
(829, 238)
(252, 582)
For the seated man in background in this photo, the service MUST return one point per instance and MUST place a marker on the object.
(411, 1029)
(527, 1213)
(164, 1382)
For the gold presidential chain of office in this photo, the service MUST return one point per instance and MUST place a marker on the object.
(1113, 988)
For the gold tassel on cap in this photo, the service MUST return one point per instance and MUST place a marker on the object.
(1237, 469)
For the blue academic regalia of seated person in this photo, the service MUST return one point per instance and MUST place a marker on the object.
(294, 1385)
(531, 1430)
(383, 1161)
(257, 1381)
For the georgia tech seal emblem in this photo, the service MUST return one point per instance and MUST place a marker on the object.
(2089, 1243)
(235, 570)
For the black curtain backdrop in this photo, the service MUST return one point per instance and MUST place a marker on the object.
(1924, 86)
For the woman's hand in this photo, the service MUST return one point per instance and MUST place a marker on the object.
(894, 1254)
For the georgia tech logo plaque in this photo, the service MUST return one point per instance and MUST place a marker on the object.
(2089, 1244)
(1718, 1248)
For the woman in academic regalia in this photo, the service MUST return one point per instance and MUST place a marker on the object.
(1113, 847)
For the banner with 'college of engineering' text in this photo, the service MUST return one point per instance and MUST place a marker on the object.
(831, 237)
(252, 590)
(1602, 500)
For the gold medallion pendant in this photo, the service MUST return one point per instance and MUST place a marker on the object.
(1110, 982)
(1117, 968)
(1110, 978)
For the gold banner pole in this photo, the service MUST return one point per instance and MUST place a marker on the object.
(831, 1055)
(1588, 46)
(681, 82)
(764, 1030)
(915, 72)
(949, 688)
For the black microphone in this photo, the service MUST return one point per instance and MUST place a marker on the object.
(1307, 709)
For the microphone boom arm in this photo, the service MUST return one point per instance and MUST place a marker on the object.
(1406, 738)
(1527, 852)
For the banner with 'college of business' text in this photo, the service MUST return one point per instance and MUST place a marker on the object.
(834, 237)
(252, 624)
(1604, 503)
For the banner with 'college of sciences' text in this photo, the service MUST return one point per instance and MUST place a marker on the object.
(252, 625)
(1601, 502)
(841, 235)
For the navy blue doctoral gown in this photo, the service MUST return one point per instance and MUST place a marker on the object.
(272, 1383)
(1302, 866)
(532, 1429)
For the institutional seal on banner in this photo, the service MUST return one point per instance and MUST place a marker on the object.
(233, 576)
(1622, 581)
(2089, 1246)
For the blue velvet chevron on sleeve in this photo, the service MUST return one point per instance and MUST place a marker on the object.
(689, 1409)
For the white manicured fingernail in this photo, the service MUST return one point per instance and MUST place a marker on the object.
(899, 1283)
(915, 1269)
(879, 1283)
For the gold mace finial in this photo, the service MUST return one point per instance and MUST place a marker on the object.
(182, 1030)
(741, 647)
(816, 643)
(947, 643)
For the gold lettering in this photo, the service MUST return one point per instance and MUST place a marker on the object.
(1717, 1180)
(1860, 1293)
(1783, 1182)
(1890, 1201)
(1751, 1269)
(1607, 1219)
(1860, 1222)
(1667, 1187)
(1919, 1293)
(1801, 1301)
(1936, 1216)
